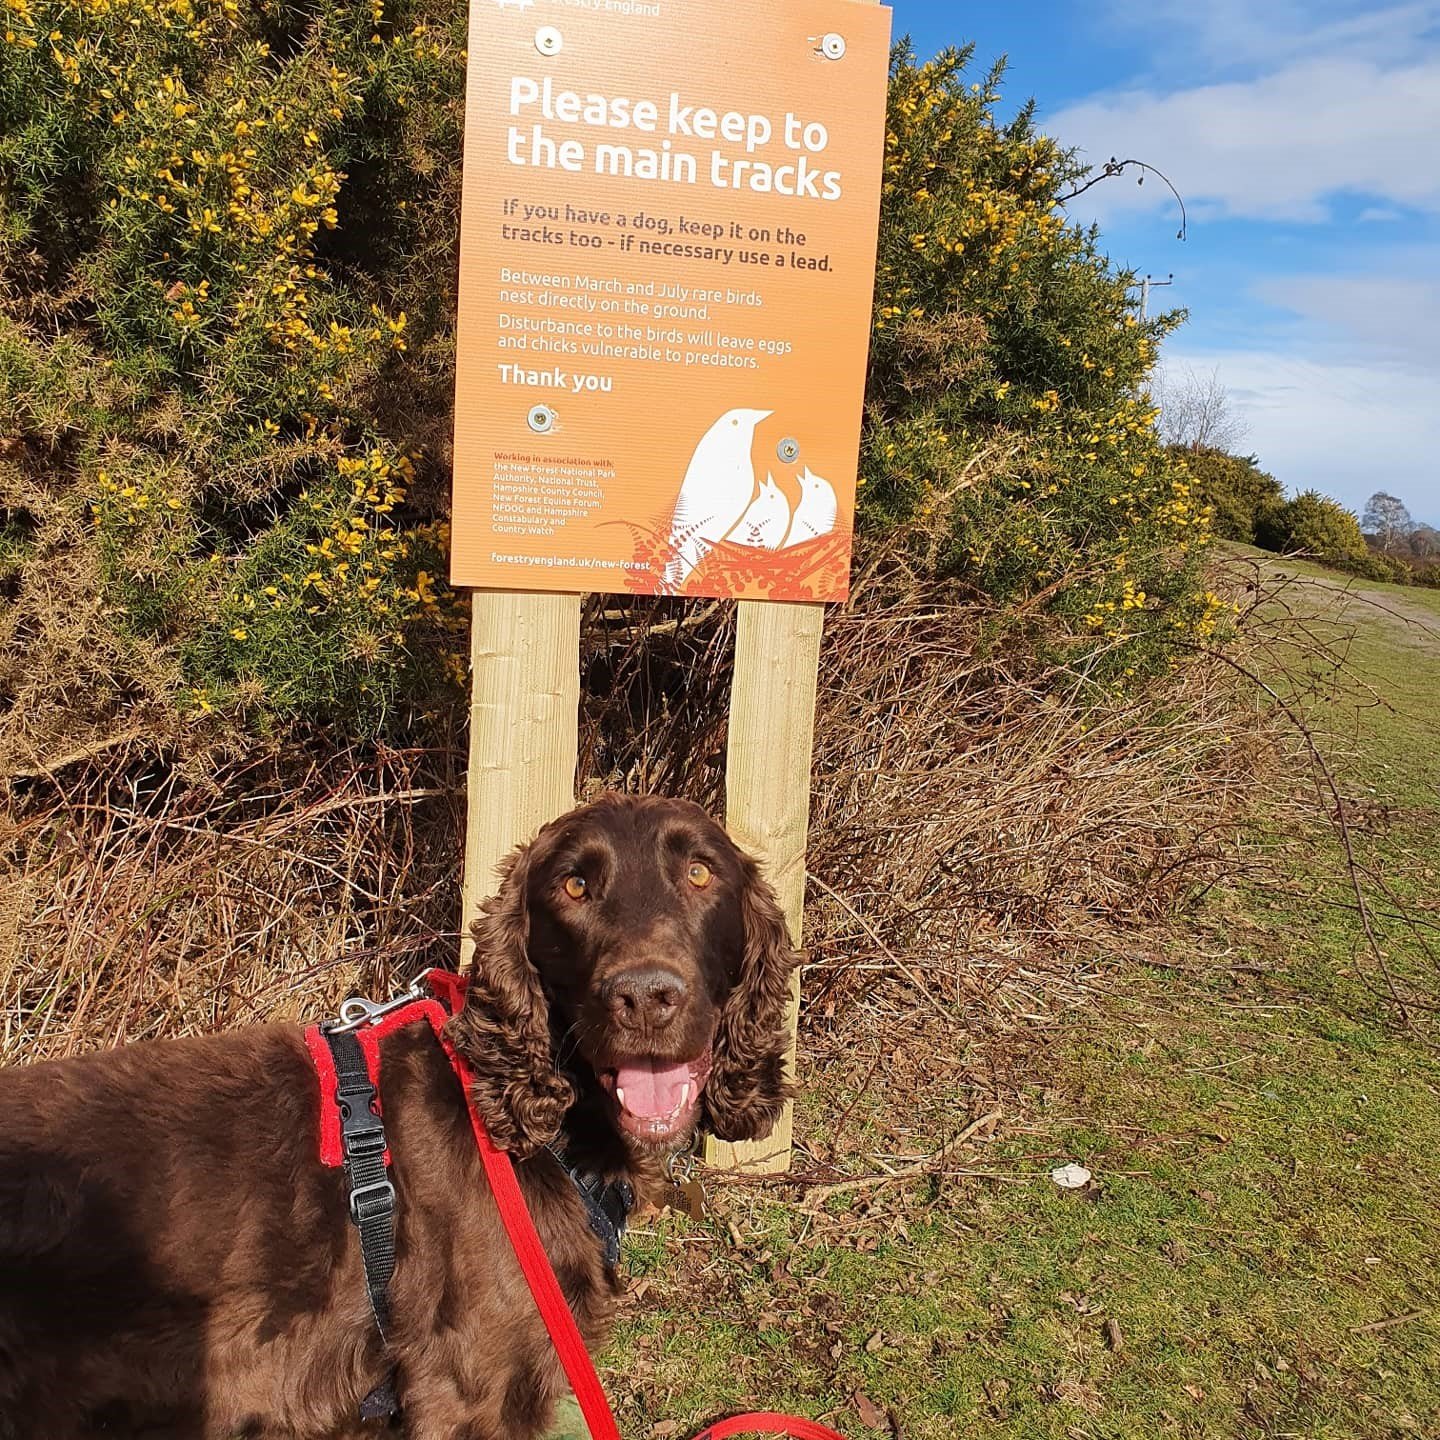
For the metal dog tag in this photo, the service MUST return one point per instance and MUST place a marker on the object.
(693, 1200)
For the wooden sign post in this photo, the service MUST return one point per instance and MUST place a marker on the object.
(767, 797)
(524, 716)
(667, 261)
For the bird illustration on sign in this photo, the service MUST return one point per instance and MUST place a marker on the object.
(721, 502)
(717, 490)
(764, 524)
(815, 514)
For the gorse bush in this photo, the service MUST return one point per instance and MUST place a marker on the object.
(1313, 524)
(1319, 528)
(209, 218)
(1007, 390)
(227, 287)
(1241, 496)
(1322, 529)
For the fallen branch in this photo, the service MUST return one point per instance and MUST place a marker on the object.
(638, 629)
(45, 769)
(1376, 1326)
(908, 1172)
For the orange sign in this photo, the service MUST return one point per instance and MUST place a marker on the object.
(667, 262)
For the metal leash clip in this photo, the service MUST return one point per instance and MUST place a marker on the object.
(357, 1012)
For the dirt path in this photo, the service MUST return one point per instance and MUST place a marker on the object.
(1411, 617)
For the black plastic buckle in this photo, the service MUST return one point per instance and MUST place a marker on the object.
(365, 1145)
(360, 1124)
(360, 1192)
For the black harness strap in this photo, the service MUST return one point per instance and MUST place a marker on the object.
(372, 1195)
(607, 1204)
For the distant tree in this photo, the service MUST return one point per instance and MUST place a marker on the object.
(1387, 519)
(1425, 542)
(1195, 411)
(1235, 488)
(1314, 524)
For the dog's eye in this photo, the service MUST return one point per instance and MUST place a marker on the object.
(575, 887)
(698, 874)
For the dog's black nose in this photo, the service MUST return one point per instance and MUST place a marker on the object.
(647, 997)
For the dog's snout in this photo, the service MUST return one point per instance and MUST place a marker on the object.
(647, 997)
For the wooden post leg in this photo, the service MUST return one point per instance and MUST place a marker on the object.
(767, 796)
(524, 722)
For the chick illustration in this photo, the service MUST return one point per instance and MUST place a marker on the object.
(717, 490)
(815, 513)
(764, 524)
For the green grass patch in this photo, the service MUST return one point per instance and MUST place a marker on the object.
(1257, 1256)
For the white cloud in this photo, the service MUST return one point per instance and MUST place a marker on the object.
(1347, 429)
(1224, 35)
(1391, 317)
(1273, 112)
(1273, 148)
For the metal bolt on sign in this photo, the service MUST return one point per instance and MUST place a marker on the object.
(549, 41)
(541, 419)
(788, 450)
(832, 46)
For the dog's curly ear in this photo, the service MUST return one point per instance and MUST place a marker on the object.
(503, 1031)
(748, 1087)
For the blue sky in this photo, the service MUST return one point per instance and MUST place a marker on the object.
(1305, 138)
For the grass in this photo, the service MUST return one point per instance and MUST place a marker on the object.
(1257, 1253)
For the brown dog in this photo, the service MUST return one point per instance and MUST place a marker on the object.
(175, 1261)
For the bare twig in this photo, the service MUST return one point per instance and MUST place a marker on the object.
(921, 989)
(928, 1166)
(1112, 168)
(1339, 811)
(92, 751)
(1376, 1326)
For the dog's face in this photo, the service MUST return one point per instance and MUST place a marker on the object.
(637, 931)
(660, 960)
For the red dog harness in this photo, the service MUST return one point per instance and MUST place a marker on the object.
(339, 1124)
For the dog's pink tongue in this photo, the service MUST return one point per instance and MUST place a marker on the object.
(652, 1089)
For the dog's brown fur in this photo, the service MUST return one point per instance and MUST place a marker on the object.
(176, 1262)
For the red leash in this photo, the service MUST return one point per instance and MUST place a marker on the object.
(534, 1263)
